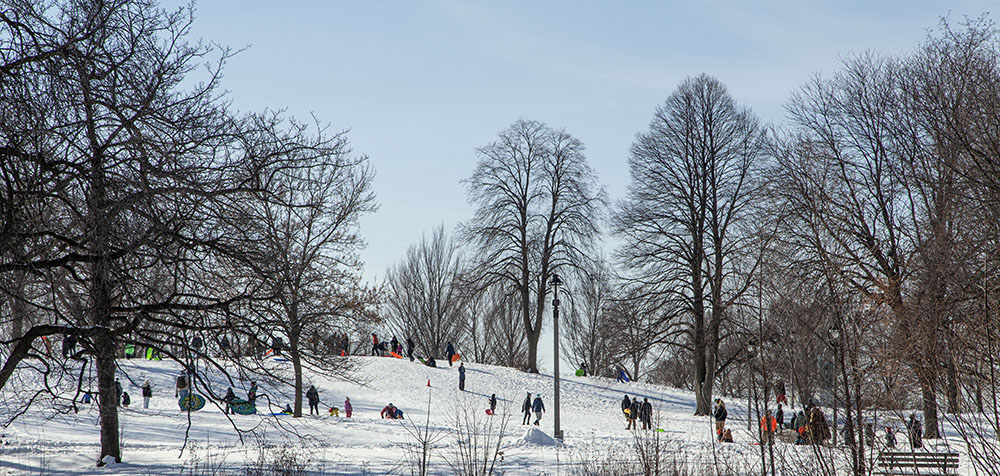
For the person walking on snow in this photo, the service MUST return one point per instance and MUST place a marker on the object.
(409, 348)
(461, 376)
(147, 393)
(183, 389)
(313, 396)
(68, 344)
(493, 403)
(720, 417)
(768, 425)
(779, 416)
(526, 409)
(538, 408)
(348, 409)
(252, 393)
(451, 353)
(118, 389)
(375, 344)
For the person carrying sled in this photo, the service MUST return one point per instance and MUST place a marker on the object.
(633, 413)
(409, 348)
(147, 393)
(228, 400)
(313, 396)
(393, 344)
(626, 402)
(538, 407)
(348, 409)
(451, 353)
(622, 377)
(646, 414)
(493, 403)
(583, 367)
(461, 376)
(526, 409)
(720, 417)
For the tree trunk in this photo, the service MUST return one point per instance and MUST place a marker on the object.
(17, 307)
(293, 350)
(104, 358)
(930, 408)
(954, 402)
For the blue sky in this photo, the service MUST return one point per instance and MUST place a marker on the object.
(422, 84)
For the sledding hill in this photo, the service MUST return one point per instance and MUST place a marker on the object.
(41, 442)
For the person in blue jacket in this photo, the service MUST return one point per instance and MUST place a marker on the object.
(538, 408)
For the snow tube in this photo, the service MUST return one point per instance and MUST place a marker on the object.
(455, 358)
(242, 407)
(580, 372)
(192, 402)
(395, 355)
(489, 412)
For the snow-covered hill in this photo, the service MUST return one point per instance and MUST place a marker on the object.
(43, 443)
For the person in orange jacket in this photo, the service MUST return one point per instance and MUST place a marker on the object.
(768, 425)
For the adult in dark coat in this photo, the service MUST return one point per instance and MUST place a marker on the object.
(118, 390)
(493, 402)
(228, 399)
(147, 393)
(409, 348)
(779, 416)
(451, 353)
(526, 409)
(720, 417)
(633, 414)
(538, 407)
(68, 344)
(461, 376)
(646, 414)
(313, 396)
(393, 344)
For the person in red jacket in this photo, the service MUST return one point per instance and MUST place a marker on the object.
(768, 425)
(374, 344)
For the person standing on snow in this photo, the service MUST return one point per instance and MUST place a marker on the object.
(409, 348)
(182, 388)
(313, 396)
(493, 402)
(393, 344)
(118, 390)
(348, 409)
(461, 376)
(252, 393)
(633, 413)
(375, 346)
(626, 402)
(68, 344)
(228, 399)
(451, 353)
(779, 417)
(646, 414)
(526, 409)
(147, 393)
(538, 408)
(720, 417)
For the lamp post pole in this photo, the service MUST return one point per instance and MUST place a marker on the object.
(834, 341)
(753, 352)
(556, 282)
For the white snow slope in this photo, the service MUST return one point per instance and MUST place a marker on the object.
(45, 442)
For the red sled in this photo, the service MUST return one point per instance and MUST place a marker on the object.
(455, 358)
(489, 412)
(395, 355)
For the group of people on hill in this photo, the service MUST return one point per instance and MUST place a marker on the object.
(529, 406)
(636, 411)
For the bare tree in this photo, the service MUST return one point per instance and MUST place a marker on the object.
(537, 210)
(423, 294)
(589, 331)
(692, 184)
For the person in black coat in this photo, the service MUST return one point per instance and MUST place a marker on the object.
(68, 344)
(720, 417)
(646, 414)
(228, 399)
(526, 409)
(313, 396)
(451, 353)
(493, 402)
(409, 348)
(779, 416)
(393, 344)
(118, 390)
(626, 402)
(461, 376)
(633, 413)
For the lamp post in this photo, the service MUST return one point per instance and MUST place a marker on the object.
(835, 343)
(556, 282)
(752, 347)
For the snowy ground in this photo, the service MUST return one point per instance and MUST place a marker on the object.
(43, 443)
